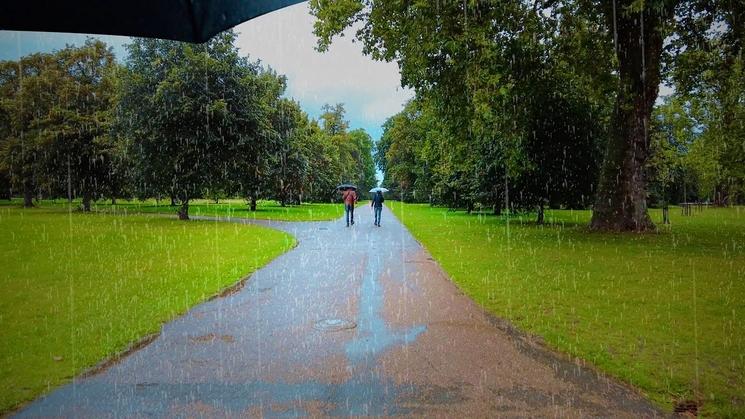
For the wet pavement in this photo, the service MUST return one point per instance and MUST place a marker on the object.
(354, 321)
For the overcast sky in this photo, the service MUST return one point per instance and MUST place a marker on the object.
(284, 40)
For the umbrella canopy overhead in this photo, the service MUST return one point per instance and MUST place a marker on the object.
(379, 189)
(345, 186)
(179, 20)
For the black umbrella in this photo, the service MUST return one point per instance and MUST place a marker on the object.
(345, 186)
(180, 20)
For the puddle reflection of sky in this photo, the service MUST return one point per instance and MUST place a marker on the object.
(373, 335)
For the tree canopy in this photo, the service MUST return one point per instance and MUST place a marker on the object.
(522, 85)
(57, 121)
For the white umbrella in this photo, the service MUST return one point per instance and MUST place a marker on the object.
(378, 189)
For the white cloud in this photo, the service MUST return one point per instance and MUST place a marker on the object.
(284, 40)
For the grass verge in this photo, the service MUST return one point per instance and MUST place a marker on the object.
(664, 312)
(265, 210)
(79, 288)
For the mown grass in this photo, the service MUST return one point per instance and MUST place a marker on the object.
(266, 210)
(78, 288)
(663, 311)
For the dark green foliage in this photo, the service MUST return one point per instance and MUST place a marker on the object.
(705, 64)
(176, 122)
(351, 151)
(199, 120)
(533, 89)
(502, 95)
(189, 112)
(56, 122)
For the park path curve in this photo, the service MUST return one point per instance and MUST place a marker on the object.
(356, 321)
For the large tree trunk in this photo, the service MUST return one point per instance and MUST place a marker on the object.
(622, 191)
(183, 211)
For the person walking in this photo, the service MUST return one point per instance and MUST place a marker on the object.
(377, 204)
(350, 198)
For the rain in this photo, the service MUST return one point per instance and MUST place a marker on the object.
(372, 208)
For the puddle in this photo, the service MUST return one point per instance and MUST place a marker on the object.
(374, 335)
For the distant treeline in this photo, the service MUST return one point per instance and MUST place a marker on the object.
(174, 121)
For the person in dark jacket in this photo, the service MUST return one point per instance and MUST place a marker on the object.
(377, 204)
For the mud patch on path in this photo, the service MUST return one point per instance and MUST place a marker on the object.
(211, 338)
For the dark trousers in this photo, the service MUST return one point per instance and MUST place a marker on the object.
(349, 210)
(378, 210)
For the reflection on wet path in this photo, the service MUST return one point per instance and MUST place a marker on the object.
(373, 335)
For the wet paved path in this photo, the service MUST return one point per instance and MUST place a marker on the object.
(283, 346)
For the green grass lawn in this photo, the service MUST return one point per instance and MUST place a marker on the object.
(266, 210)
(663, 311)
(78, 288)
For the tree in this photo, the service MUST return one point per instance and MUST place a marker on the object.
(559, 161)
(405, 152)
(323, 160)
(705, 64)
(362, 154)
(75, 132)
(333, 119)
(335, 129)
(6, 89)
(254, 158)
(191, 114)
(293, 161)
(353, 149)
(55, 122)
(673, 135)
(27, 94)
